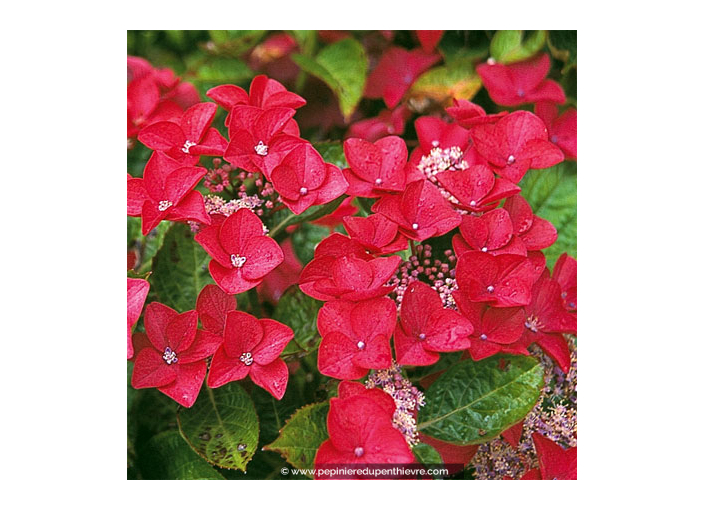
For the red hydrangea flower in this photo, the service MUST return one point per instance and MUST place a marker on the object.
(304, 179)
(361, 432)
(429, 39)
(355, 337)
(547, 320)
(174, 361)
(375, 168)
(388, 122)
(492, 232)
(476, 189)
(562, 129)
(556, 462)
(502, 280)
(166, 193)
(144, 105)
(435, 133)
(188, 138)
(495, 329)
(514, 144)
(565, 273)
(348, 277)
(468, 114)
(137, 290)
(252, 347)
(242, 254)
(395, 73)
(420, 212)
(522, 82)
(212, 306)
(535, 232)
(257, 140)
(426, 328)
(348, 389)
(264, 92)
(376, 233)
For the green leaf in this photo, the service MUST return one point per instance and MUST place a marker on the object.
(332, 152)
(180, 269)
(167, 457)
(475, 400)
(343, 68)
(299, 312)
(306, 40)
(234, 42)
(509, 46)
(552, 193)
(222, 426)
(222, 70)
(563, 46)
(302, 435)
(441, 84)
(147, 246)
(426, 454)
(305, 238)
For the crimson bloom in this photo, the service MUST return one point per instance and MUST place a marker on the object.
(495, 329)
(355, 337)
(514, 144)
(426, 328)
(188, 138)
(492, 232)
(360, 432)
(348, 277)
(346, 389)
(562, 129)
(145, 106)
(375, 168)
(536, 233)
(242, 254)
(420, 212)
(264, 92)
(547, 320)
(476, 189)
(429, 39)
(502, 280)
(556, 462)
(166, 193)
(137, 290)
(435, 133)
(565, 273)
(468, 114)
(521, 82)
(212, 306)
(395, 73)
(257, 139)
(388, 122)
(251, 347)
(376, 233)
(174, 360)
(304, 179)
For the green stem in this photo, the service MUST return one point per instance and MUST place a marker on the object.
(281, 226)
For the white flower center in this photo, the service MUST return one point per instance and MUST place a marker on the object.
(377, 181)
(165, 204)
(361, 345)
(261, 149)
(187, 146)
(303, 190)
(359, 451)
(169, 356)
(415, 226)
(246, 358)
(490, 288)
(238, 260)
(511, 160)
(533, 324)
(482, 336)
